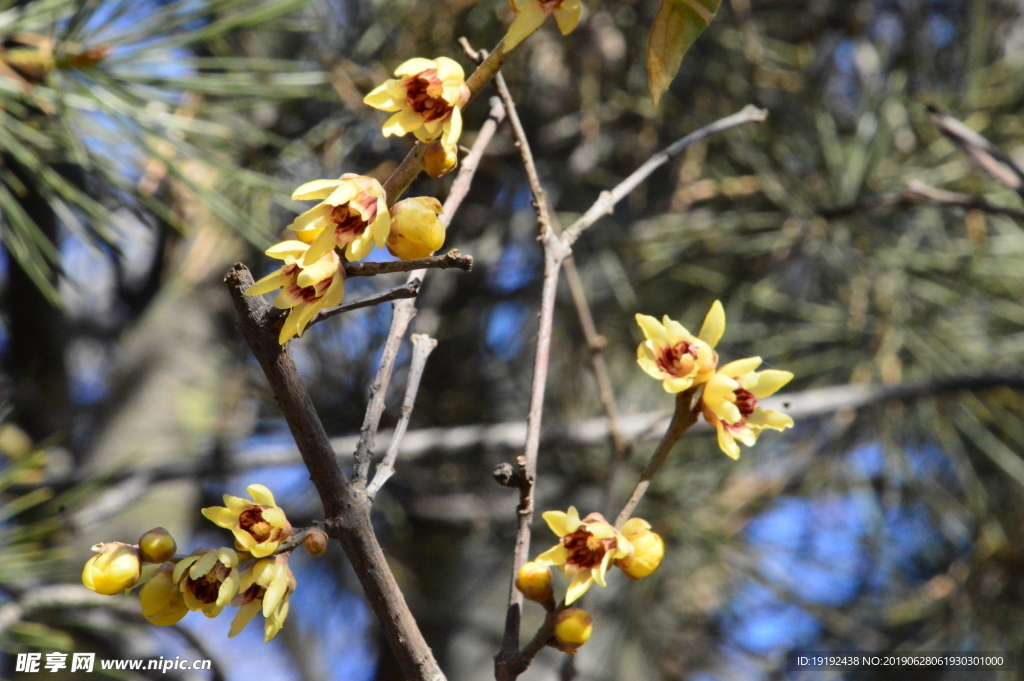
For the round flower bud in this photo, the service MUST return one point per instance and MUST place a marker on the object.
(416, 231)
(315, 542)
(157, 546)
(163, 603)
(114, 569)
(572, 629)
(648, 549)
(534, 581)
(439, 159)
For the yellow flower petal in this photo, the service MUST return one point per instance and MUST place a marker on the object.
(415, 66)
(740, 367)
(243, 617)
(336, 291)
(287, 248)
(316, 190)
(271, 282)
(382, 97)
(769, 382)
(578, 586)
(726, 442)
(449, 69)
(322, 269)
(323, 245)
(261, 495)
(402, 123)
(556, 555)
(768, 418)
(714, 325)
(559, 522)
(567, 15)
(220, 516)
(531, 16)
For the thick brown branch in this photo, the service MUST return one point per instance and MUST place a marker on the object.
(348, 511)
(441, 262)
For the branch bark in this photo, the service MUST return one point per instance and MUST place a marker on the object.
(441, 262)
(346, 508)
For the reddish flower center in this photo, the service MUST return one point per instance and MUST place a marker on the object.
(207, 588)
(249, 595)
(586, 550)
(251, 520)
(745, 401)
(678, 360)
(305, 293)
(424, 95)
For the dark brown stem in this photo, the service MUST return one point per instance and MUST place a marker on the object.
(410, 290)
(347, 510)
(682, 420)
(441, 262)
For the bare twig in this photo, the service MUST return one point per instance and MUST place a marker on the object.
(918, 192)
(422, 346)
(347, 511)
(685, 416)
(441, 262)
(606, 202)
(403, 313)
(991, 158)
(405, 310)
(410, 290)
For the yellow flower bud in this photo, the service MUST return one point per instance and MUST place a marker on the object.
(416, 231)
(163, 603)
(534, 581)
(157, 546)
(315, 542)
(648, 549)
(572, 629)
(114, 569)
(440, 159)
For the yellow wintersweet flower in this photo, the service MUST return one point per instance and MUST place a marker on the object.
(259, 525)
(115, 568)
(304, 289)
(586, 550)
(730, 403)
(440, 159)
(416, 231)
(648, 549)
(674, 356)
(532, 13)
(572, 629)
(426, 98)
(352, 215)
(265, 586)
(163, 603)
(208, 579)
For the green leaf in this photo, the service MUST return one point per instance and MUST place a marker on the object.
(675, 28)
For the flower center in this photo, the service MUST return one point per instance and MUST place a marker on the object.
(678, 360)
(423, 94)
(586, 550)
(348, 223)
(249, 595)
(207, 588)
(306, 294)
(745, 401)
(251, 520)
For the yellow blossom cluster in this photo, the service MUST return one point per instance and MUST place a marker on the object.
(352, 217)
(253, 576)
(587, 549)
(729, 394)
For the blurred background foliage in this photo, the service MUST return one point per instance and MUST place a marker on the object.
(146, 145)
